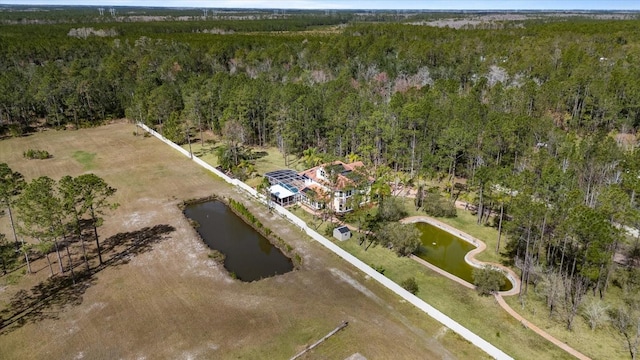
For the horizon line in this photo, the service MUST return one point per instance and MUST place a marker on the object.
(325, 9)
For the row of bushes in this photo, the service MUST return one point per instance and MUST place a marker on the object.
(243, 212)
(36, 154)
(239, 209)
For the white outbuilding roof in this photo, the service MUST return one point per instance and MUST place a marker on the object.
(280, 191)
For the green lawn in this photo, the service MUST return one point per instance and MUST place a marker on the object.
(271, 159)
(205, 151)
(466, 222)
(86, 159)
(267, 159)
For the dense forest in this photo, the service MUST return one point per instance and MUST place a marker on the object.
(539, 117)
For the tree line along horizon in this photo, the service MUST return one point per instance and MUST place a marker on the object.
(540, 117)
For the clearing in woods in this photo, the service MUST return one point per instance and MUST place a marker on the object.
(168, 299)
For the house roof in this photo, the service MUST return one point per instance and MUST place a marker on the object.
(286, 177)
(345, 175)
(343, 229)
(282, 192)
(320, 193)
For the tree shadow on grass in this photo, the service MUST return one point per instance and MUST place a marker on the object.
(124, 246)
(255, 155)
(49, 298)
(210, 148)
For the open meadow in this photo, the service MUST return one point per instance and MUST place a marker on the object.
(162, 297)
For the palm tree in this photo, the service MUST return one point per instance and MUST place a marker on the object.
(380, 189)
(264, 188)
(311, 158)
(351, 158)
(244, 170)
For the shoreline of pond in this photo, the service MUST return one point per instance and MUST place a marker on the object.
(278, 243)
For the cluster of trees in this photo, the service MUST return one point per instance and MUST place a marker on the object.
(385, 90)
(380, 226)
(54, 214)
(36, 154)
(569, 205)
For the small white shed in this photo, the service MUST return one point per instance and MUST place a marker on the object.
(342, 233)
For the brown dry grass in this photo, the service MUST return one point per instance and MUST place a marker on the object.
(171, 301)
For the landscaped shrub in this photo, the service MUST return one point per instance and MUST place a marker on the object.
(36, 154)
(410, 284)
(487, 280)
(328, 231)
(241, 210)
(378, 268)
(435, 205)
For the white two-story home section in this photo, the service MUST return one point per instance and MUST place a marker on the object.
(337, 178)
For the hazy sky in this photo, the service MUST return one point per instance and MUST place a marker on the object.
(360, 4)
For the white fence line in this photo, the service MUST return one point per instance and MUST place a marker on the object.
(417, 302)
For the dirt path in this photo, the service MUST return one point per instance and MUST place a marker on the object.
(470, 258)
(539, 331)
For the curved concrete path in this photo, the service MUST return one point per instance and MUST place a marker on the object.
(470, 258)
(539, 331)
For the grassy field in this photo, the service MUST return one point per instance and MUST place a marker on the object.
(267, 158)
(85, 159)
(164, 298)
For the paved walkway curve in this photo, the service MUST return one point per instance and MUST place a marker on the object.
(470, 258)
(539, 331)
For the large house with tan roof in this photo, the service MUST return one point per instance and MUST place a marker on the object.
(314, 187)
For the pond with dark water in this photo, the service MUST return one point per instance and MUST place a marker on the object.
(447, 252)
(248, 254)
